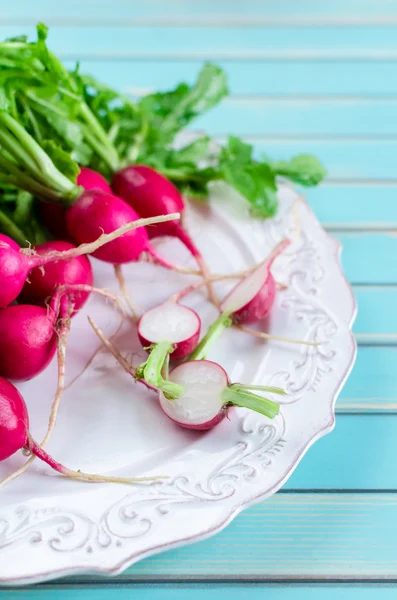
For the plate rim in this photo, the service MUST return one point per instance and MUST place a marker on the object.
(220, 524)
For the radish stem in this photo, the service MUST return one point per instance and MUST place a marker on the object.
(241, 397)
(213, 333)
(151, 371)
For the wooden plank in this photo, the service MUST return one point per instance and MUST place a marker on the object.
(233, 41)
(274, 78)
(372, 385)
(292, 535)
(364, 207)
(357, 455)
(253, 11)
(196, 591)
(303, 119)
(376, 311)
(369, 258)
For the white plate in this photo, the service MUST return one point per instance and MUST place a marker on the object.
(50, 526)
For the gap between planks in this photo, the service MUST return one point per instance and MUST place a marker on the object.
(231, 20)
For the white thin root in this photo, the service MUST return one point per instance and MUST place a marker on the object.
(118, 306)
(105, 238)
(126, 294)
(112, 349)
(268, 336)
(117, 355)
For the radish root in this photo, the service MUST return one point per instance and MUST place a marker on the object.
(105, 238)
(126, 294)
(117, 355)
(268, 336)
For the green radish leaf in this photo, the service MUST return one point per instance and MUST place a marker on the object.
(303, 169)
(253, 180)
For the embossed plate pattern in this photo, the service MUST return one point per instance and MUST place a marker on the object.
(51, 527)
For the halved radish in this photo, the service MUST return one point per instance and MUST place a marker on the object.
(173, 323)
(252, 298)
(168, 329)
(208, 395)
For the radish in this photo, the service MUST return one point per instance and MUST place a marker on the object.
(250, 301)
(91, 180)
(150, 194)
(95, 212)
(15, 435)
(54, 215)
(54, 218)
(173, 324)
(27, 339)
(169, 328)
(42, 281)
(15, 266)
(7, 241)
(252, 298)
(208, 395)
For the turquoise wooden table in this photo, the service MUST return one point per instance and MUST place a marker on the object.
(305, 75)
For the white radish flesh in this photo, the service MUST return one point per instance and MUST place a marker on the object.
(170, 322)
(201, 405)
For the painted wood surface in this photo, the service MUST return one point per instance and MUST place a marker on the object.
(307, 76)
(196, 592)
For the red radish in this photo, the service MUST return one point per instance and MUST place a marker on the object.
(54, 218)
(171, 323)
(208, 395)
(150, 194)
(27, 339)
(91, 180)
(15, 266)
(252, 298)
(95, 212)
(15, 435)
(43, 280)
(5, 240)
(249, 301)
(168, 329)
(54, 215)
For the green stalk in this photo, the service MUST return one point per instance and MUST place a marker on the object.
(14, 176)
(110, 156)
(12, 146)
(213, 333)
(8, 227)
(52, 176)
(151, 371)
(260, 388)
(240, 397)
